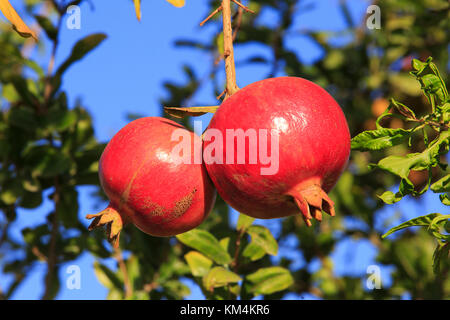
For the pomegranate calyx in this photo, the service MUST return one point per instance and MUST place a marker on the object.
(110, 218)
(311, 201)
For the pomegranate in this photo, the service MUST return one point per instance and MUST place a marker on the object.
(148, 186)
(313, 149)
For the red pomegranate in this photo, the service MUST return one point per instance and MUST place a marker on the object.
(148, 185)
(313, 147)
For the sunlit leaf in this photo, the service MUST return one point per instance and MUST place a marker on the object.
(192, 111)
(269, 280)
(17, 22)
(198, 263)
(442, 185)
(244, 222)
(177, 3)
(262, 236)
(137, 8)
(207, 244)
(219, 277)
(379, 139)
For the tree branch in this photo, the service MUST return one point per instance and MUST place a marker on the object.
(230, 68)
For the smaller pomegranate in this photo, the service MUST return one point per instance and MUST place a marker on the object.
(148, 185)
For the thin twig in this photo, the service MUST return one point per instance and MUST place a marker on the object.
(211, 15)
(234, 263)
(238, 22)
(123, 269)
(221, 95)
(242, 6)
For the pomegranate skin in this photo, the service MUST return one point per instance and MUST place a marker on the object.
(314, 147)
(147, 186)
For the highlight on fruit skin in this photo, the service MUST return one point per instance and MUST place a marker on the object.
(313, 149)
(147, 186)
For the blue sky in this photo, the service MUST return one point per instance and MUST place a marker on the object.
(125, 74)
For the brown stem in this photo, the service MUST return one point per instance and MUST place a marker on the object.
(234, 263)
(238, 22)
(123, 269)
(51, 65)
(52, 255)
(230, 68)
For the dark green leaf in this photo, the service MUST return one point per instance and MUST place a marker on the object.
(23, 118)
(81, 48)
(48, 26)
(107, 277)
(419, 221)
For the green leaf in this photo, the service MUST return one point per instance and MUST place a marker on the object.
(432, 84)
(268, 280)
(80, 49)
(219, 277)
(244, 222)
(207, 244)
(404, 110)
(436, 224)
(441, 253)
(48, 27)
(442, 185)
(419, 221)
(198, 263)
(389, 197)
(379, 139)
(23, 118)
(418, 65)
(402, 165)
(46, 161)
(68, 206)
(253, 251)
(262, 237)
(176, 289)
(445, 199)
(107, 277)
(59, 120)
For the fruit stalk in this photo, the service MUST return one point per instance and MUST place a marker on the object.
(230, 68)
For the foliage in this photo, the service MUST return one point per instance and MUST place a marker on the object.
(437, 121)
(48, 149)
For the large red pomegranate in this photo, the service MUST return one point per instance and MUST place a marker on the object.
(148, 185)
(313, 149)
